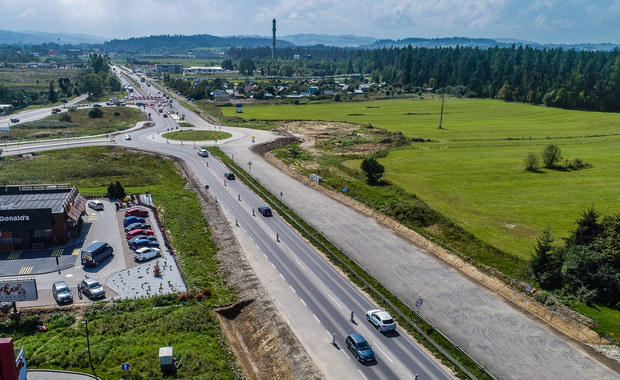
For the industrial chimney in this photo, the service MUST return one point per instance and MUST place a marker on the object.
(273, 48)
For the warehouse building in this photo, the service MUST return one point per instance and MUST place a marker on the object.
(38, 216)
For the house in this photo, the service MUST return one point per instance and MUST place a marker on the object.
(268, 96)
(328, 92)
(358, 92)
(364, 87)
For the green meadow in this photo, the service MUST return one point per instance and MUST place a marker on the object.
(472, 169)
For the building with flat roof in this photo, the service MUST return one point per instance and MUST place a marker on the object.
(36, 216)
(169, 68)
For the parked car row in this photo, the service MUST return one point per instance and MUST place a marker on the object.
(140, 237)
(89, 287)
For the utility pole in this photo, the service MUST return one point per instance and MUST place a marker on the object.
(273, 48)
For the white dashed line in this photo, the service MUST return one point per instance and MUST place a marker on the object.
(292, 289)
(282, 277)
(264, 254)
(274, 267)
(360, 371)
(377, 346)
(330, 296)
(250, 236)
(259, 248)
(302, 267)
(302, 301)
(315, 317)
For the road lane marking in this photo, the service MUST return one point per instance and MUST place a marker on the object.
(14, 255)
(360, 371)
(274, 267)
(75, 252)
(302, 267)
(292, 289)
(302, 301)
(264, 254)
(337, 304)
(282, 277)
(315, 317)
(376, 345)
(25, 270)
(259, 248)
(57, 252)
(250, 236)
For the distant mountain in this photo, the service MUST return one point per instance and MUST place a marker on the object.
(34, 38)
(327, 40)
(184, 44)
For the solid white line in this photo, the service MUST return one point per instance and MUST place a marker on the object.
(315, 317)
(360, 371)
(292, 289)
(376, 345)
(330, 296)
(302, 301)
(302, 267)
(282, 277)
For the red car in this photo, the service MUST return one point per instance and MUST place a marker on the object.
(137, 212)
(133, 233)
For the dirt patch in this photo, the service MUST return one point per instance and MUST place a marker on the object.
(563, 320)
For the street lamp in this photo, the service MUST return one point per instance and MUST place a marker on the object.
(90, 360)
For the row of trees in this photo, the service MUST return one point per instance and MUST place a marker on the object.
(555, 77)
(587, 264)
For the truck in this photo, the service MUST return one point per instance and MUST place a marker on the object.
(55, 111)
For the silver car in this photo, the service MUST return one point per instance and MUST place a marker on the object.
(381, 320)
(91, 288)
(62, 292)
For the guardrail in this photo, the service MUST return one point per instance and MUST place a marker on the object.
(312, 234)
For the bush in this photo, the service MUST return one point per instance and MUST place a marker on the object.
(577, 164)
(116, 113)
(531, 161)
(373, 170)
(95, 113)
(65, 117)
(551, 156)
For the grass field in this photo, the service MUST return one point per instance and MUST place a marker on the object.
(472, 171)
(35, 79)
(132, 331)
(194, 135)
(80, 124)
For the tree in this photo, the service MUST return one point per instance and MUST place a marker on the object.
(545, 263)
(65, 85)
(53, 96)
(95, 113)
(373, 170)
(531, 161)
(551, 156)
(65, 117)
(92, 84)
(588, 228)
(120, 191)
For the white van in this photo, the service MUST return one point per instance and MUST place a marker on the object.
(95, 205)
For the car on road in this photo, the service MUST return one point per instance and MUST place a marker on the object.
(62, 292)
(265, 211)
(95, 205)
(146, 253)
(137, 212)
(128, 137)
(14, 120)
(382, 320)
(229, 175)
(143, 242)
(133, 233)
(91, 288)
(203, 153)
(165, 115)
(132, 220)
(137, 226)
(360, 348)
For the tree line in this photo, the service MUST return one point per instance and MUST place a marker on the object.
(555, 77)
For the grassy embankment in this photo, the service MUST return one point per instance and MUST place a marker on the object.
(36, 80)
(80, 125)
(471, 171)
(194, 135)
(131, 331)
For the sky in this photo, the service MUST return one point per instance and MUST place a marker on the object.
(542, 21)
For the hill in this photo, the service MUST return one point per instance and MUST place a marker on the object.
(327, 40)
(8, 37)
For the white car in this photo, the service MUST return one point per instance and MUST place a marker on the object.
(203, 153)
(381, 320)
(95, 205)
(146, 253)
(128, 137)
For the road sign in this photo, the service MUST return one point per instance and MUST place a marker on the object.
(125, 366)
(345, 189)
(207, 187)
(528, 288)
(418, 303)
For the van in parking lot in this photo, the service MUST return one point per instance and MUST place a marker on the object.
(96, 253)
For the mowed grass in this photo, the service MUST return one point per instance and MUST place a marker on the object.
(35, 79)
(195, 135)
(473, 173)
(80, 125)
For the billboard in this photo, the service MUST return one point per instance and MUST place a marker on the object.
(18, 290)
(20, 220)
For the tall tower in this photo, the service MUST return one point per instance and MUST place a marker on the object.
(273, 47)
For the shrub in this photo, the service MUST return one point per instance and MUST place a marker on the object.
(95, 113)
(551, 156)
(577, 164)
(116, 113)
(373, 170)
(531, 161)
(65, 117)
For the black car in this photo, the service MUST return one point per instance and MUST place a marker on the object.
(265, 211)
(229, 175)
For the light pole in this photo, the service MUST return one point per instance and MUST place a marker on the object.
(90, 360)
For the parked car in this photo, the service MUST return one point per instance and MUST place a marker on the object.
(137, 226)
(137, 212)
(146, 253)
(142, 242)
(91, 288)
(265, 211)
(62, 292)
(96, 253)
(229, 175)
(132, 220)
(134, 233)
(203, 153)
(381, 320)
(141, 237)
(95, 205)
(360, 348)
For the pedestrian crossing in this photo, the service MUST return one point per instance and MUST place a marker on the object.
(14, 255)
(57, 252)
(26, 270)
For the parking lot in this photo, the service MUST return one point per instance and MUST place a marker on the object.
(121, 276)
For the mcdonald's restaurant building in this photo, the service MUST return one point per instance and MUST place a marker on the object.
(38, 216)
